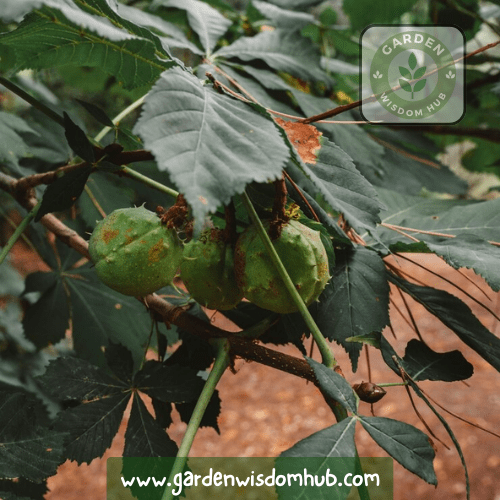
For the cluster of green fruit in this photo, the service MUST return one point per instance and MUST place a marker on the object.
(135, 254)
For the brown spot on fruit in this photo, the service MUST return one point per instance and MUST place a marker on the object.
(108, 235)
(155, 252)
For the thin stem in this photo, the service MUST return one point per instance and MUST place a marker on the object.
(19, 230)
(119, 117)
(393, 384)
(222, 361)
(363, 492)
(150, 182)
(31, 100)
(326, 354)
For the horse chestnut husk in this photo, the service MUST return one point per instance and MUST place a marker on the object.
(207, 271)
(134, 253)
(303, 255)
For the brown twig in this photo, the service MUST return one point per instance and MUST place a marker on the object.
(347, 107)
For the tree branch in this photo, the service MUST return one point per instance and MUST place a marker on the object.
(241, 347)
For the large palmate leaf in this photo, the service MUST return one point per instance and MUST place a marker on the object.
(280, 50)
(334, 441)
(61, 33)
(92, 426)
(405, 443)
(144, 436)
(26, 448)
(70, 378)
(101, 315)
(356, 302)
(457, 316)
(211, 145)
(208, 23)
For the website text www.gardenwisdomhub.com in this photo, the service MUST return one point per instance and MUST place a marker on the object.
(188, 479)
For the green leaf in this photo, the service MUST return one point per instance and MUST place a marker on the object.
(70, 378)
(453, 217)
(110, 192)
(12, 145)
(120, 361)
(422, 363)
(381, 166)
(96, 112)
(467, 250)
(343, 187)
(22, 489)
(26, 449)
(281, 51)
(334, 385)
(92, 426)
(419, 85)
(412, 61)
(77, 140)
(334, 441)
(213, 150)
(101, 315)
(175, 37)
(457, 316)
(208, 23)
(170, 383)
(144, 437)
(283, 18)
(46, 321)
(420, 72)
(362, 12)
(62, 194)
(356, 301)
(210, 416)
(61, 33)
(405, 85)
(405, 73)
(405, 443)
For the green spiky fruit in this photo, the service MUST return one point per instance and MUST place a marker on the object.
(303, 255)
(207, 271)
(134, 253)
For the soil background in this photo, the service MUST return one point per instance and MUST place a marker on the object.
(265, 411)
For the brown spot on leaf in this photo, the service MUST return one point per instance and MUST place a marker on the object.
(304, 137)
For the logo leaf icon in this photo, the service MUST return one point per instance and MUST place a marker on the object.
(420, 72)
(404, 72)
(419, 85)
(412, 61)
(405, 85)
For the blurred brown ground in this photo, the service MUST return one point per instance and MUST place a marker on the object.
(265, 411)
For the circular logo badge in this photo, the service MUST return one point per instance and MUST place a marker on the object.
(413, 75)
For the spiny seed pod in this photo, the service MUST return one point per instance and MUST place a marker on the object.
(207, 270)
(303, 255)
(133, 253)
